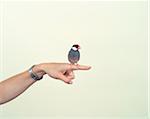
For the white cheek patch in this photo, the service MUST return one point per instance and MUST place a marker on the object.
(74, 48)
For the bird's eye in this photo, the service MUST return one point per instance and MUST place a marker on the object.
(76, 46)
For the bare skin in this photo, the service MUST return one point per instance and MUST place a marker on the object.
(15, 85)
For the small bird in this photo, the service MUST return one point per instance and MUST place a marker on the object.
(74, 54)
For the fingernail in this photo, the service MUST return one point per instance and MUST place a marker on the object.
(90, 67)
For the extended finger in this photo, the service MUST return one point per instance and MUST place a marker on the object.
(80, 67)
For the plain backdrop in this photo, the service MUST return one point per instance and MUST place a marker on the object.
(113, 40)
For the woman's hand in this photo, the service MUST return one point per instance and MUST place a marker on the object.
(62, 71)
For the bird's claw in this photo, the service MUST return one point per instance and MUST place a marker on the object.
(76, 64)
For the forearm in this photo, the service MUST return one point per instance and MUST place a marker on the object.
(14, 86)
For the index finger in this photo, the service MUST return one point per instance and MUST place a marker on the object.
(80, 67)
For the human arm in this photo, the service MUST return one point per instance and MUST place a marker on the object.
(15, 85)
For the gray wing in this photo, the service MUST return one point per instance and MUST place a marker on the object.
(73, 56)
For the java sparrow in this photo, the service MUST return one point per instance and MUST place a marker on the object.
(74, 54)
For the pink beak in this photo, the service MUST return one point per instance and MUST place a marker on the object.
(79, 47)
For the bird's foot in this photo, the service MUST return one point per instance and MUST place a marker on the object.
(76, 64)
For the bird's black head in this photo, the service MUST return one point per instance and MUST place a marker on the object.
(76, 46)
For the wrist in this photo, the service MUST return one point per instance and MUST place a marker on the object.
(38, 69)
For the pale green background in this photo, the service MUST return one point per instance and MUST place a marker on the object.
(113, 37)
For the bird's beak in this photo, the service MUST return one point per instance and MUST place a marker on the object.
(79, 47)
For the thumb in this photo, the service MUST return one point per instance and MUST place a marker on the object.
(65, 79)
